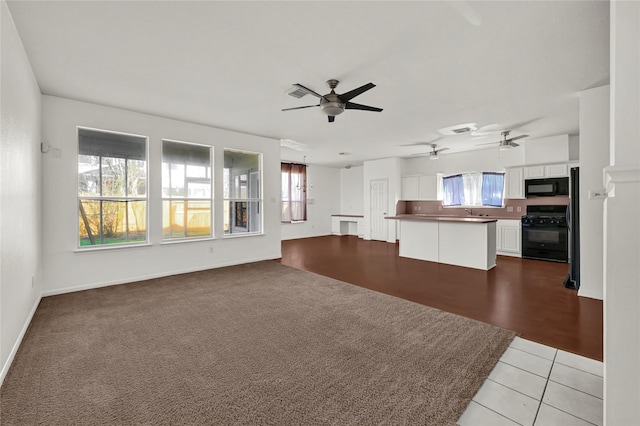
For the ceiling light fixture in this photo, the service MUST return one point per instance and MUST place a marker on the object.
(433, 157)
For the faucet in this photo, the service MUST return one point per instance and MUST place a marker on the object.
(470, 211)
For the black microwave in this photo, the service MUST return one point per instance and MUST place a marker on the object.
(548, 187)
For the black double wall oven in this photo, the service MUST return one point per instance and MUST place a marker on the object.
(545, 233)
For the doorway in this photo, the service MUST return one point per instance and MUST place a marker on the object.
(379, 225)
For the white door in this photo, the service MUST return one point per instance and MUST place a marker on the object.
(379, 224)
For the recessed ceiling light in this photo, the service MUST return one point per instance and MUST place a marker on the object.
(344, 153)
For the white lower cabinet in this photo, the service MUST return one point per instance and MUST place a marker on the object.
(509, 238)
(347, 225)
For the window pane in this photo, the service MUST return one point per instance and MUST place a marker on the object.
(186, 182)
(113, 177)
(88, 175)
(136, 178)
(241, 181)
(492, 189)
(112, 222)
(453, 190)
(242, 217)
(198, 218)
(112, 168)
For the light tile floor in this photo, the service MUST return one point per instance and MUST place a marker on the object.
(537, 385)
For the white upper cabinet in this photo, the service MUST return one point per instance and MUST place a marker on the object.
(427, 187)
(556, 170)
(410, 188)
(514, 183)
(419, 187)
(546, 170)
(533, 172)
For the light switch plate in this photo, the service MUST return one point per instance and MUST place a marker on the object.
(597, 194)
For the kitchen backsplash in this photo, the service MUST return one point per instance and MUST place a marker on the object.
(514, 208)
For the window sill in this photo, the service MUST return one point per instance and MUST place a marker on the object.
(185, 240)
(252, 234)
(88, 249)
(293, 222)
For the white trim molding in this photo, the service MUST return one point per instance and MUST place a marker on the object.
(622, 295)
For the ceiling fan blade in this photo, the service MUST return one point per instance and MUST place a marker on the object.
(351, 105)
(439, 150)
(486, 143)
(355, 92)
(302, 107)
(517, 137)
(306, 89)
(513, 144)
(331, 118)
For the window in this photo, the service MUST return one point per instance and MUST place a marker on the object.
(242, 192)
(294, 192)
(473, 189)
(186, 190)
(112, 188)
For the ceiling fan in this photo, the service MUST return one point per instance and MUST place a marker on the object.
(506, 143)
(433, 155)
(333, 104)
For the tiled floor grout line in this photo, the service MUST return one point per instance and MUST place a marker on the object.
(525, 370)
(572, 415)
(527, 352)
(580, 369)
(547, 380)
(515, 390)
(575, 389)
(500, 414)
(545, 389)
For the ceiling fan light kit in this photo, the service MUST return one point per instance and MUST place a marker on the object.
(506, 143)
(333, 104)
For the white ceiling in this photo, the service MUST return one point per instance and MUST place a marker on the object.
(503, 65)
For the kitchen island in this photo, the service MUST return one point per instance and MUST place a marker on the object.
(454, 240)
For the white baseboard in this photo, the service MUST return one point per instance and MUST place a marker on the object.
(16, 346)
(151, 276)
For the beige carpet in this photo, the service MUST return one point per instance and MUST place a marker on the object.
(255, 344)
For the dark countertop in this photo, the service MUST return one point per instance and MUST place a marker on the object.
(444, 218)
(347, 215)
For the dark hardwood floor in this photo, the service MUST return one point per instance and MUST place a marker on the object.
(526, 296)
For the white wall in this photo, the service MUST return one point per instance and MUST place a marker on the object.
(19, 194)
(622, 229)
(574, 147)
(552, 149)
(323, 183)
(66, 269)
(389, 169)
(594, 156)
(352, 191)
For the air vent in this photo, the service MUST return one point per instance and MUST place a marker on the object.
(461, 130)
(297, 92)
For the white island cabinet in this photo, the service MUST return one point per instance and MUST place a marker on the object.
(468, 242)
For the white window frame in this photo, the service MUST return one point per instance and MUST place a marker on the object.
(186, 199)
(259, 200)
(79, 198)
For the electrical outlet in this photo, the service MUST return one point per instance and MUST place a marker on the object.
(510, 209)
(420, 208)
(519, 209)
(211, 250)
(415, 208)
